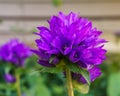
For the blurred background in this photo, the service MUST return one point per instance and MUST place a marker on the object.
(19, 19)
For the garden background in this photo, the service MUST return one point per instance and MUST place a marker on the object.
(19, 19)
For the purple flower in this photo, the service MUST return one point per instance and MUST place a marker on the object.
(72, 37)
(15, 52)
(9, 78)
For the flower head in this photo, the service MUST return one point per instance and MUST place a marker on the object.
(15, 52)
(72, 37)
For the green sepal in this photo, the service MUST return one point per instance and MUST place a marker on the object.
(80, 87)
(57, 69)
(77, 69)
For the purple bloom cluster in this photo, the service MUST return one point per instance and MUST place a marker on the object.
(15, 52)
(72, 37)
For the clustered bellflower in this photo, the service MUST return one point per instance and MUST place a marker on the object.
(72, 37)
(14, 52)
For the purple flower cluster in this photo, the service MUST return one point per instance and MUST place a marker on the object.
(72, 37)
(15, 52)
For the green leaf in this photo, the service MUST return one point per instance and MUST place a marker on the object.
(52, 70)
(74, 68)
(21, 70)
(56, 69)
(82, 88)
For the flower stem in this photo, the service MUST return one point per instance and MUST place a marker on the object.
(18, 85)
(69, 83)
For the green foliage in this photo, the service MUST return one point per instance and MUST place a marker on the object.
(38, 83)
(56, 84)
(51, 70)
(57, 69)
(77, 69)
(57, 2)
(36, 86)
(82, 88)
(114, 84)
(32, 84)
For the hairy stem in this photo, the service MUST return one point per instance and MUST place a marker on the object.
(69, 83)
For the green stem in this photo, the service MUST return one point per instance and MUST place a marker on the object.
(18, 85)
(69, 83)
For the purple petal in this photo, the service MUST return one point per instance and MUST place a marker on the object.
(9, 78)
(45, 63)
(94, 73)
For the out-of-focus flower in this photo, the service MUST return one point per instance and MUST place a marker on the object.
(9, 78)
(15, 52)
(72, 37)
